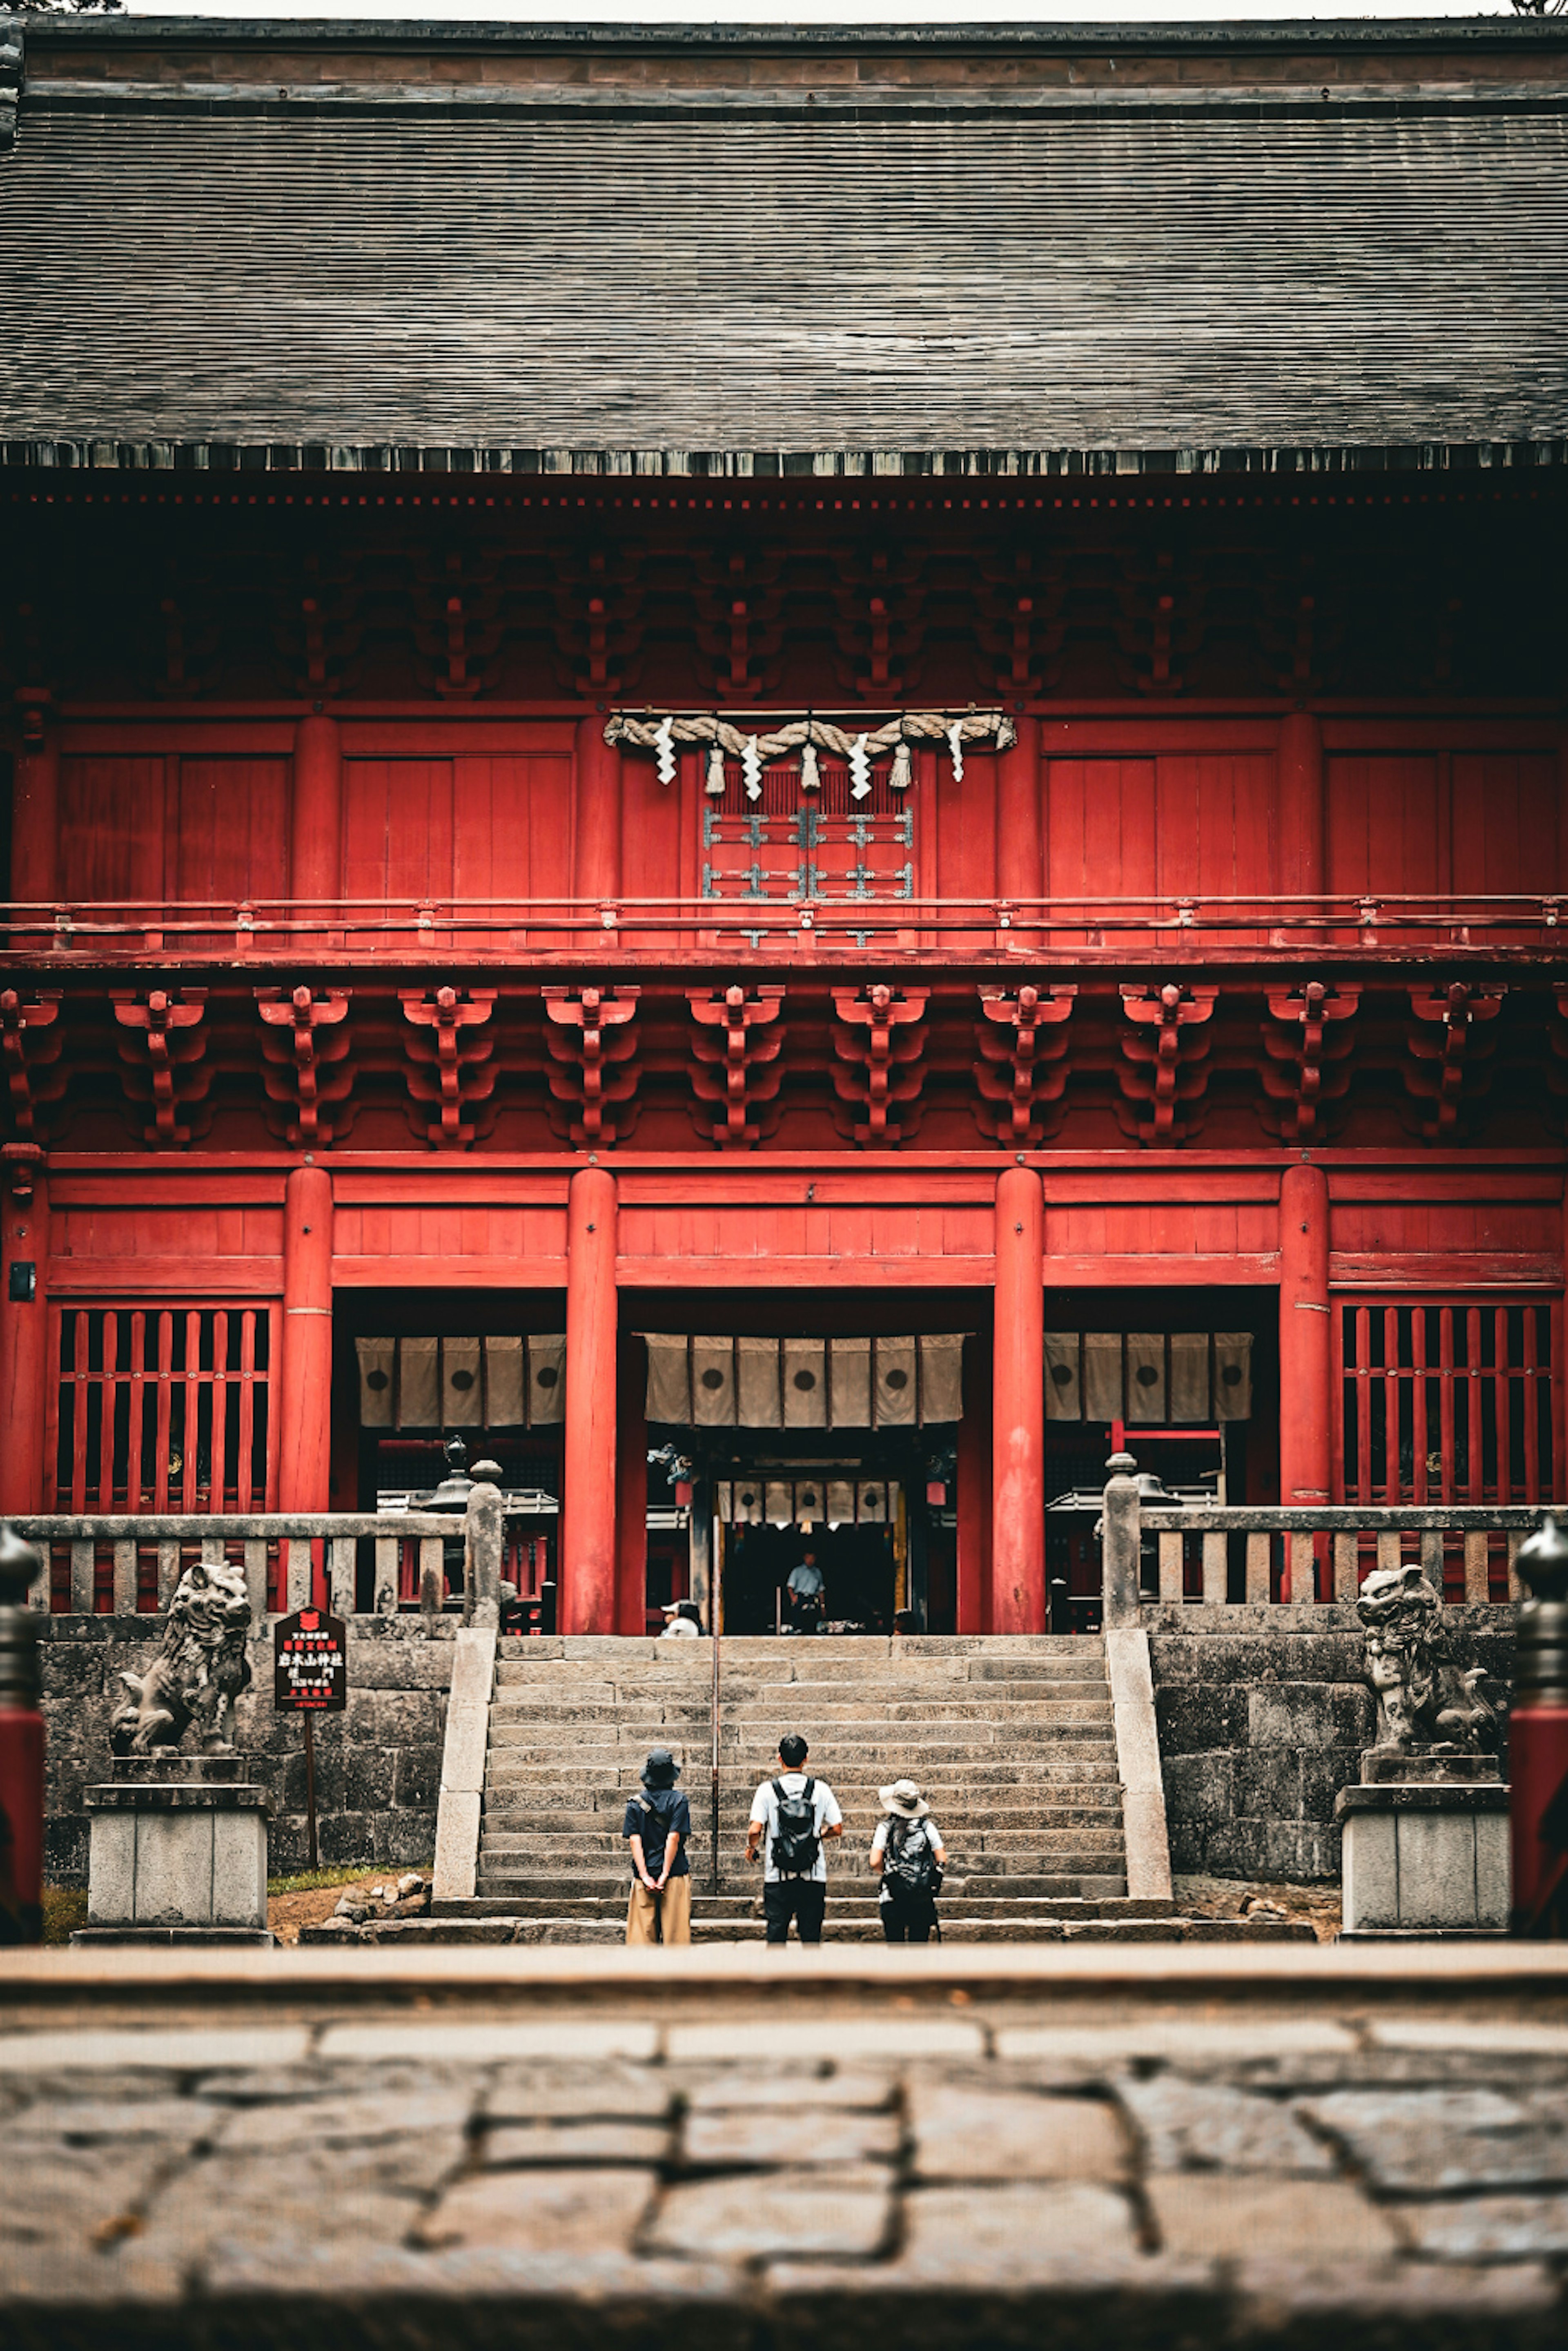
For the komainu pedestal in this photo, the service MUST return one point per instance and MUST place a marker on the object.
(1426, 1832)
(178, 1852)
(177, 1843)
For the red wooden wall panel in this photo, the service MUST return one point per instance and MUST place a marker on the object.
(111, 829)
(1385, 824)
(1507, 822)
(230, 833)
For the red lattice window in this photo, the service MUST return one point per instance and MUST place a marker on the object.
(789, 844)
(1449, 1403)
(162, 1408)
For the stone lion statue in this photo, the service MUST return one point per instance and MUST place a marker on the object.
(200, 1670)
(1424, 1697)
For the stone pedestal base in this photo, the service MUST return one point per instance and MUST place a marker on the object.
(178, 1853)
(1425, 1856)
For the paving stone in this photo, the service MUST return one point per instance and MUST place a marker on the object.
(1477, 2035)
(971, 2133)
(1488, 2228)
(235, 2207)
(431, 2118)
(1349, 2303)
(789, 2215)
(783, 2086)
(609, 2141)
(1429, 2141)
(175, 2124)
(566, 2212)
(777, 2134)
(1207, 2126)
(66, 2197)
(1218, 2216)
(535, 2093)
(1028, 2232)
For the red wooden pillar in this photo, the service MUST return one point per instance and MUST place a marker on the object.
(316, 815)
(596, 866)
(36, 811)
(1303, 864)
(974, 1471)
(587, 1569)
(1021, 832)
(631, 1488)
(1306, 1353)
(1018, 1406)
(304, 1380)
(24, 1349)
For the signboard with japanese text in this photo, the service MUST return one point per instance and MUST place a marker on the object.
(310, 1663)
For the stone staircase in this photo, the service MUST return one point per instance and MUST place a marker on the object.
(1011, 1737)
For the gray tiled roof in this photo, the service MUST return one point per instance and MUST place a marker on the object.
(531, 279)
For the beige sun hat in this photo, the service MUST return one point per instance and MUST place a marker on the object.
(904, 1799)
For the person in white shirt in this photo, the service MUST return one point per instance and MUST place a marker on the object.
(682, 1622)
(796, 1815)
(908, 1855)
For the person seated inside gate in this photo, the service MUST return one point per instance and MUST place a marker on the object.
(805, 1590)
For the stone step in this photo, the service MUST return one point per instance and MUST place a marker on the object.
(501, 1817)
(867, 1745)
(1073, 1849)
(1001, 1886)
(618, 1647)
(797, 1674)
(736, 1900)
(499, 1928)
(955, 1702)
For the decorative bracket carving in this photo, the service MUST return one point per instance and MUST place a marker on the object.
(448, 1064)
(1167, 1061)
(1309, 1040)
(879, 1038)
(736, 1059)
(738, 603)
(879, 604)
(1023, 1065)
(31, 1037)
(305, 1054)
(592, 1039)
(21, 1165)
(1446, 1053)
(597, 631)
(164, 1058)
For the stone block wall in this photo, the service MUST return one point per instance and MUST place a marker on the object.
(1263, 1714)
(377, 1763)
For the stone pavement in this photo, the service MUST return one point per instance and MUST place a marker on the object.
(1274, 2147)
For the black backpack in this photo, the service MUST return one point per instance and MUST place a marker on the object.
(908, 1860)
(795, 1844)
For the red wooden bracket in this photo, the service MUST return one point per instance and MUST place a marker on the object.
(1308, 1038)
(735, 1059)
(1023, 1066)
(879, 1039)
(162, 1059)
(592, 1039)
(31, 1036)
(448, 1064)
(21, 1163)
(1445, 1053)
(1165, 1061)
(305, 1056)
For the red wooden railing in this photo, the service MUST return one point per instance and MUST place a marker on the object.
(260, 929)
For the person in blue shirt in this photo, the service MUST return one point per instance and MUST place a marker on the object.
(657, 1829)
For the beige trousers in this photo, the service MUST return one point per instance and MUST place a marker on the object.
(672, 1912)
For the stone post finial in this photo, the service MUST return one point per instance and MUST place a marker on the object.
(1122, 1536)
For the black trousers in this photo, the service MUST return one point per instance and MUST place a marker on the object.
(804, 1899)
(908, 1919)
